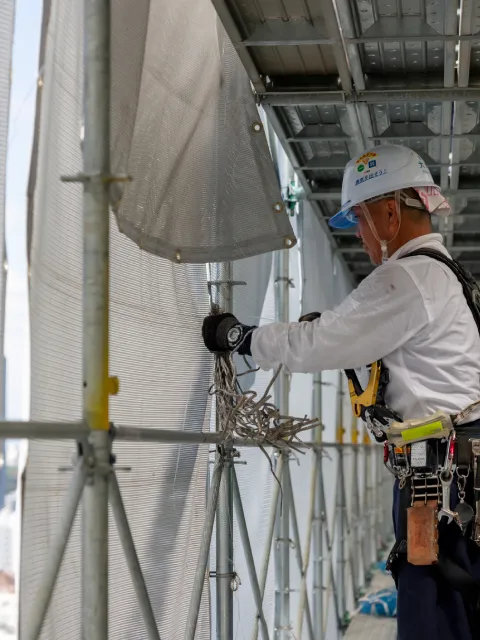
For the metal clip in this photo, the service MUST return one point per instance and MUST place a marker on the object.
(476, 489)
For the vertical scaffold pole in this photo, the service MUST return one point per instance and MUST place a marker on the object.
(96, 163)
(367, 490)
(341, 504)
(357, 559)
(282, 534)
(224, 523)
(317, 604)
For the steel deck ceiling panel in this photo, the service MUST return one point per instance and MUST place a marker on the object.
(342, 75)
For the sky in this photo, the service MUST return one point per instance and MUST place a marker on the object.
(22, 111)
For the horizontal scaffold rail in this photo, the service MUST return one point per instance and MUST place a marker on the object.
(78, 431)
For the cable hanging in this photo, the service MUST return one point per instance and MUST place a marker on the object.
(245, 415)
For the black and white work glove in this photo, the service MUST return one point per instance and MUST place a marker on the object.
(223, 332)
(310, 317)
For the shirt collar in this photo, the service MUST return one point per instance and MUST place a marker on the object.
(431, 240)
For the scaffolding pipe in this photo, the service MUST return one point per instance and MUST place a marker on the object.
(77, 431)
(270, 531)
(224, 573)
(282, 546)
(357, 557)
(242, 526)
(96, 179)
(318, 514)
(56, 553)
(340, 503)
(44, 430)
(298, 548)
(303, 601)
(282, 629)
(131, 557)
(204, 550)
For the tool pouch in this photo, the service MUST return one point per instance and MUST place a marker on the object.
(422, 533)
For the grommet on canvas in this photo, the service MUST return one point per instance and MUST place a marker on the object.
(178, 256)
(288, 242)
(257, 127)
(278, 207)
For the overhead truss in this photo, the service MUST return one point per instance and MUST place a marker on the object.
(337, 76)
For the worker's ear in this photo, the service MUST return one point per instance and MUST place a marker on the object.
(393, 219)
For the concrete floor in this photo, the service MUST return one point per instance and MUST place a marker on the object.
(365, 627)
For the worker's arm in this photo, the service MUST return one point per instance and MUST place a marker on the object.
(378, 317)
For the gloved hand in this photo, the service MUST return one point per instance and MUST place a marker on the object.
(309, 317)
(223, 332)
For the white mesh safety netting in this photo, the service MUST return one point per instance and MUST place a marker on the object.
(156, 309)
(7, 10)
(327, 281)
(187, 129)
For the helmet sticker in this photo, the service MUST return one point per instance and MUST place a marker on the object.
(369, 175)
(366, 157)
(422, 166)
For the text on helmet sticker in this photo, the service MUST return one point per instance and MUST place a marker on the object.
(369, 175)
(422, 166)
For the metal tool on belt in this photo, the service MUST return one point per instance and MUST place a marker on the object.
(429, 468)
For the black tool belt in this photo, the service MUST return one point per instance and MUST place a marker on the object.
(459, 578)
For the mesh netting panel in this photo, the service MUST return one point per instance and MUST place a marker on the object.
(326, 281)
(6, 41)
(156, 309)
(185, 128)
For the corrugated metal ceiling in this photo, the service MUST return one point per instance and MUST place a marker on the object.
(336, 76)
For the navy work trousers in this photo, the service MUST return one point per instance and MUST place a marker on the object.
(428, 607)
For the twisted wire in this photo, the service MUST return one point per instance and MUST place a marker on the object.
(244, 414)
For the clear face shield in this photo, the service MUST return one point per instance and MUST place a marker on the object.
(400, 196)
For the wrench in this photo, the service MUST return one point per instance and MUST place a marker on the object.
(446, 478)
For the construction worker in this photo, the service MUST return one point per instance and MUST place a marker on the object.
(411, 314)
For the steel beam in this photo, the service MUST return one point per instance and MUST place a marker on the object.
(336, 195)
(370, 96)
(236, 38)
(318, 165)
(468, 248)
(413, 38)
(333, 30)
(347, 23)
(426, 136)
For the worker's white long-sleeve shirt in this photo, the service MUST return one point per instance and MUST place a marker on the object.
(411, 313)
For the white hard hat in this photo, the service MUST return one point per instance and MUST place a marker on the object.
(381, 171)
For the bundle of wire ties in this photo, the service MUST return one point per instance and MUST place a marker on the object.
(243, 414)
